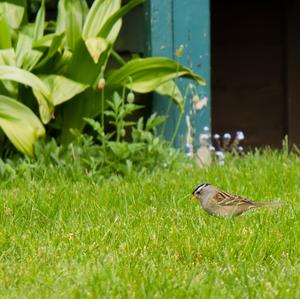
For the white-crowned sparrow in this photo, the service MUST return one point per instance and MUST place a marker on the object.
(219, 203)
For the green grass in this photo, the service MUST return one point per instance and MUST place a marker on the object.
(141, 237)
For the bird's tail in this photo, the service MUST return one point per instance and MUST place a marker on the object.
(274, 203)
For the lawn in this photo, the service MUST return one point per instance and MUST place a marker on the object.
(142, 237)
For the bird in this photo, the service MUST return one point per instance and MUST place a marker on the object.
(219, 203)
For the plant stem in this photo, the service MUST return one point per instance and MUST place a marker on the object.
(103, 122)
(180, 116)
(102, 108)
(117, 57)
(169, 105)
(176, 128)
(167, 114)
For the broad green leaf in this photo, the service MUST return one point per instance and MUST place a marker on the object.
(99, 13)
(20, 124)
(23, 48)
(61, 88)
(13, 12)
(61, 17)
(40, 90)
(24, 77)
(39, 23)
(5, 36)
(78, 7)
(73, 28)
(124, 149)
(82, 68)
(62, 62)
(8, 57)
(28, 29)
(31, 59)
(46, 108)
(53, 48)
(121, 150)
(75, 15)
(170, 89)
(55, 45)
(96, 46)
(147, 74)
(45, 41)
(86, 104)
(109, 30)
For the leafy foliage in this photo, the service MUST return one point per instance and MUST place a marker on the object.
(62, 62)
(107, 153)
(127, 147)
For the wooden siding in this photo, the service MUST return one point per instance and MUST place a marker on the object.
(248, 69)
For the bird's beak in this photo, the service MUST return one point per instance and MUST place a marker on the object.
(194, 197)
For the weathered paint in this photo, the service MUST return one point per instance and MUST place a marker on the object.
(173, 23)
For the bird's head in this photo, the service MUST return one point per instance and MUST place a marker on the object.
(201, 191)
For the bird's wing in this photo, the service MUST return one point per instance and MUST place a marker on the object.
(227, 199)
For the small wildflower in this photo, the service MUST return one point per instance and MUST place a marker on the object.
(101, 83)
(188, 145)
(206, 129)
(196, 99)
(227, 136)
(130, 97)
(199, 104)
(240, 135)
(240, 149)
(216, 136)
(189, 154)
(220, 155)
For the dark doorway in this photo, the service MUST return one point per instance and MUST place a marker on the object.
(249, 69)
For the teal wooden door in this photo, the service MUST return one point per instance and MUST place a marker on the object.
(182, 23)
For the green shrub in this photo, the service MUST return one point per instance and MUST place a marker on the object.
(129, 147)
